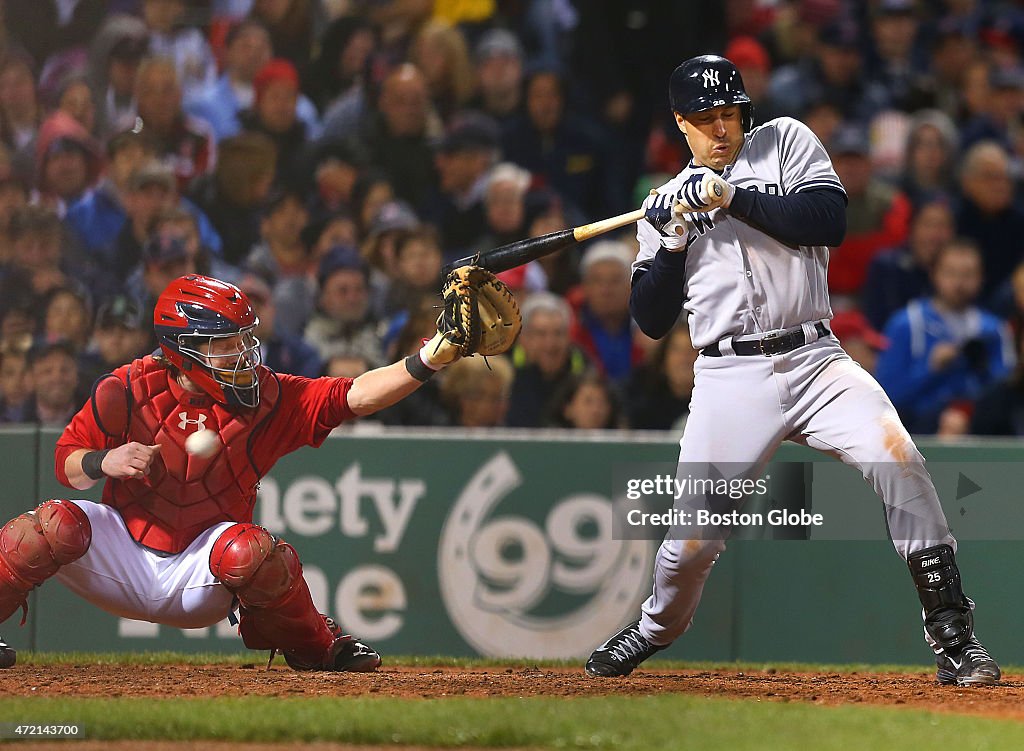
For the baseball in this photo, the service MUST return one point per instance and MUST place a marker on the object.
(203, 443)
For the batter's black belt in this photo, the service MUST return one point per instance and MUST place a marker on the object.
(778, 343)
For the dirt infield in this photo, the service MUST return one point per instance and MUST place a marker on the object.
(1006, 700)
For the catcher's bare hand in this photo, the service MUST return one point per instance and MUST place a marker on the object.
(131, 461)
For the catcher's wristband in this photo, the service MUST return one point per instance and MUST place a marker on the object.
(419, 369)
(92, 464)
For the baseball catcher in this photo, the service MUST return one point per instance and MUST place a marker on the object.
(173, 541)
(740, 238)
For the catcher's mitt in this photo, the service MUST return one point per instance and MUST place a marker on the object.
(480, 317)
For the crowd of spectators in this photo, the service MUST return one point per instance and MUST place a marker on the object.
(330, 156)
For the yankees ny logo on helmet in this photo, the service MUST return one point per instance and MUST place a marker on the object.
(710, 77)
(185, 422)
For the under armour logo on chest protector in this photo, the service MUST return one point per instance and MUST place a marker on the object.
(185, 422)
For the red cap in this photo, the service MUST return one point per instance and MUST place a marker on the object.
(747, 52)
(276, 70)
(851, 324)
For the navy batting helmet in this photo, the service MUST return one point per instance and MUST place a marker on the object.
(708, 81)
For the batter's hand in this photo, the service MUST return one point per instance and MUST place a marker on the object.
(661, 210)
(704, 190)
(130, 461)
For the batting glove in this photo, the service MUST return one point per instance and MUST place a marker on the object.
(704, 190)
(662, 211)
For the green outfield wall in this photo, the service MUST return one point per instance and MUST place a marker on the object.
(501, 544)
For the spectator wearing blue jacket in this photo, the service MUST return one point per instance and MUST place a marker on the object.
(944, 349)
(247, 49)
(96, 219)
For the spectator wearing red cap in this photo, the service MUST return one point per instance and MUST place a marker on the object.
(752, 59)
(247, 50)
(858, 338)
(274, 114)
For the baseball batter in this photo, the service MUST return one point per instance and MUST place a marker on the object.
(739, 239)
(173, 540)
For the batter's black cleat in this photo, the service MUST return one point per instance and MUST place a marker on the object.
(971, 665)
(620, 655)
(346, 655)
(7, 655)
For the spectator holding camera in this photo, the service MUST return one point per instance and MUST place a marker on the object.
(1000, 409)
(944, 348)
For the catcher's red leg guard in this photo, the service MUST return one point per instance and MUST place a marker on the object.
(34, 546)
(277, 610)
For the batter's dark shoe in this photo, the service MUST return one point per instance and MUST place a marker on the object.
(971, 665)
(7, 655)
(344, 655)
(620, 655)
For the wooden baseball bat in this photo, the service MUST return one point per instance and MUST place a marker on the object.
(515, 254)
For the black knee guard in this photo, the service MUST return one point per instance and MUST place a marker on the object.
(947, 613)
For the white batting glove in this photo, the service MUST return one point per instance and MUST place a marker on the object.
(704, 190)
(662, 211)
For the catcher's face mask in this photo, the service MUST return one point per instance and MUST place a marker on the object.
(231, 359)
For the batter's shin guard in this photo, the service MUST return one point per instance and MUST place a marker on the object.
(34, 546)
(277, 610)
(947, 612)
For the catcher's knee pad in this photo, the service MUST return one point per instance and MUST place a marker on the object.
(265, 574)
(254, 565)
(35, 545)
(947, 612)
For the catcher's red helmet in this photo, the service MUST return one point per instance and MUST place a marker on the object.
(197, 319)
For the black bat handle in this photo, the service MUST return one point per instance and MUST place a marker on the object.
(509, 256)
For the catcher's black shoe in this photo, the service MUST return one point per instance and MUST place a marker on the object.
(7, 655)
(620, 655)
(971, 665)
(344, 655)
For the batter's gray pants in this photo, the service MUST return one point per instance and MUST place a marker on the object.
(743, 408)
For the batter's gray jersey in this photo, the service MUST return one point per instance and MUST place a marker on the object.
(740, 280)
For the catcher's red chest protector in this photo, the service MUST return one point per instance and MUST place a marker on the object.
(184, 494)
